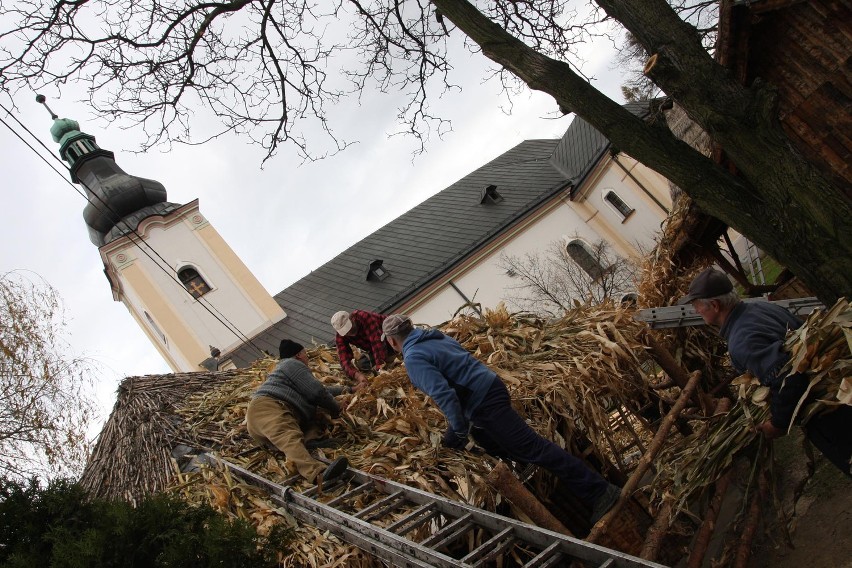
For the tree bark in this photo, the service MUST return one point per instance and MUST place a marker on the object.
(510, 487)
(780, 202)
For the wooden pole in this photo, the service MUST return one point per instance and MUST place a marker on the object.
(708, 525)
(675, 372)
(504, 481)
(751, 522)
(657, 532)
(648, 457)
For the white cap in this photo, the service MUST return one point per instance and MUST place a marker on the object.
(341, 323)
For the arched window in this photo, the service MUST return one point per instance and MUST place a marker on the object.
(581, 253)
(193, 282)
(618, 204)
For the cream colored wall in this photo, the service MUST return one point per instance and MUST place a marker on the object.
(185, 238)
(589, 218)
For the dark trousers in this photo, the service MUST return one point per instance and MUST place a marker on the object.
(499, 430)
(831, 433)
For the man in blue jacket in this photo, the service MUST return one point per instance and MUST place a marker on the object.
(475, 401)
(755, 332)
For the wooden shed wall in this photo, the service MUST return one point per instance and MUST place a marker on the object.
(805, 50)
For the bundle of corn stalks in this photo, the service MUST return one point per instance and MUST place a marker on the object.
(688, 467)
(821, 349)
(565, 376)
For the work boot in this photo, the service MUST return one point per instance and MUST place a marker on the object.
(605, 502)
(335, 469)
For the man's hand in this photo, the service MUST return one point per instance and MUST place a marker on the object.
(454, 440)
(769, 431)
(360, 382)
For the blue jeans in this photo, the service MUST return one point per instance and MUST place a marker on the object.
(499, 430)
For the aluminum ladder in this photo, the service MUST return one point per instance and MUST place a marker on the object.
(375, 514)
(686, 316)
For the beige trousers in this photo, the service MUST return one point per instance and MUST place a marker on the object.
(271, 421)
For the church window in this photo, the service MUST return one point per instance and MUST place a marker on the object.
(156, 328)
(581, 253)
(193, 282)
(618, 204)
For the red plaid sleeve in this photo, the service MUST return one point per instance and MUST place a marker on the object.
(370, 328)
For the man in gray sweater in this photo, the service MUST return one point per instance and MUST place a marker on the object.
(284, 407)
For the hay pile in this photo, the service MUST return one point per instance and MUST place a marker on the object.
(584, 381)
(566, 376)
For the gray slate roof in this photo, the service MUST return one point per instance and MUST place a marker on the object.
(428, 240)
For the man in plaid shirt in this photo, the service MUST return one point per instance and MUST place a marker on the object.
(363, 329)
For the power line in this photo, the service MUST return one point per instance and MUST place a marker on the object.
(230, 326)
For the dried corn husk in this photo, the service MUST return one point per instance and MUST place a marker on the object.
(685, 469)
(821, 349)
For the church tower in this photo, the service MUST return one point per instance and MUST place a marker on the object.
(181, 282)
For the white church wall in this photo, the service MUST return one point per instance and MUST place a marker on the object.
(589, 217)
(177, 323)
(485, 282)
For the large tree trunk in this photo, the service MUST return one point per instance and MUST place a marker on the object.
(781, 202)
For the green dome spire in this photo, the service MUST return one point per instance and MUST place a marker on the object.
(63, 127)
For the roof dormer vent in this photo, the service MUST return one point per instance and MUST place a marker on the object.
(377, 272)
(490, 195)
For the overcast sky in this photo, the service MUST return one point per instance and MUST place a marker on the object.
(283, 220)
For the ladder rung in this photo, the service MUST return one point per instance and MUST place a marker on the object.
(338, 500)
(291, 480)
(555, 560)
(538, 561)
(494, 545)
(449, 533)
(326, 487)
(380, 507)
(412, 520)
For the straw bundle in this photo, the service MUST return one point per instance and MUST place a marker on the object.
(821, 349)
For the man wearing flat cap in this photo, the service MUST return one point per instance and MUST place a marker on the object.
(284, 407)
(755, 333)
(475, 402)
(364, 330)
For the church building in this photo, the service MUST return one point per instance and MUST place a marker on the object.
(202, 308)
(180, 281)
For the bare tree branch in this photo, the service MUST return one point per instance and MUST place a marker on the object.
(45, 402)
(551, 283)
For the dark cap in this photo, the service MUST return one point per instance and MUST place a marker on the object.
(288, 348)
(396, 324)
(709, 284)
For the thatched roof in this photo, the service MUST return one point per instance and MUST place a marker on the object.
(132, 456)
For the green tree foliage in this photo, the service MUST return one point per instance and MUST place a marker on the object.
(55, 525)
(45, 401)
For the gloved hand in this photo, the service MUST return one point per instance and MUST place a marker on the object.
(453, 439)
